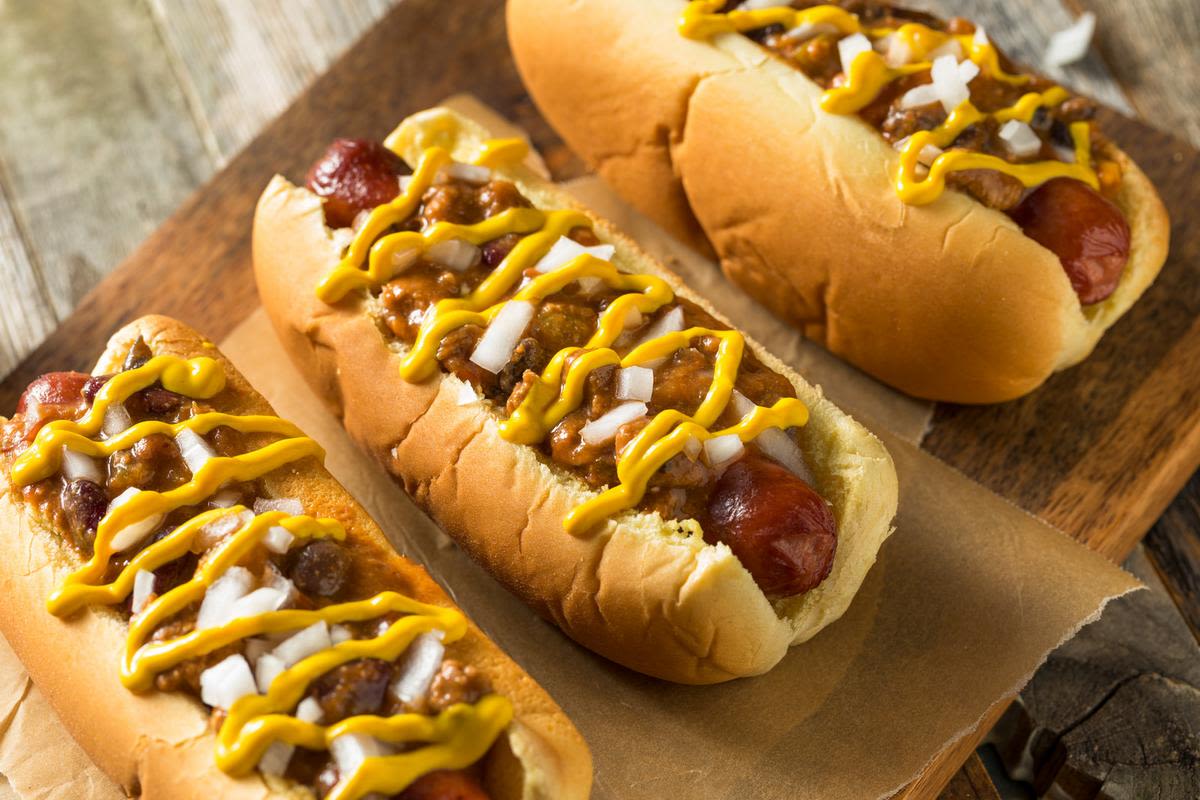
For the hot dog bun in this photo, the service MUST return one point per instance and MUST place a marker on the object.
(949, 301)
(635, 591)
(158, 745)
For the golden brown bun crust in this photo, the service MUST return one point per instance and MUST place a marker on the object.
(949, 301)
(159, 743)
(662, 604)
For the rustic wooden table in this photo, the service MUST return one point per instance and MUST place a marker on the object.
(114, 112)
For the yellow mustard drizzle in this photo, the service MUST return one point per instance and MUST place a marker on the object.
(559, 389)
(869, 74)
(456, 738)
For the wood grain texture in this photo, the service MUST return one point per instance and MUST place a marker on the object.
(970, 783)
(1173, 546)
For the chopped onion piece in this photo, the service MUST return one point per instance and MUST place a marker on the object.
(604, 428)
(808, 30)
(274, 579)
(950, 47)
(342, 238)
(116, 420)
(918, 96)
(1021, 139)
(496, 346)
(774, 442)
(309, 710)
(566, 250)
(212, 533)
(350, 750)
(339, 634)
(721, 449)
(466, 394)
(968, 71)
(225, 499)
(360, 219)
(416, 671)
(948, 82)
(851, 48)
(135, 531)
(288, 505)
(980, 38)
(1065, 154)
(260, 601)
(635, 383)
(268, 668)
(896, 52)
(403, 259)
(634, 318)
(218, 604)
(471, 173)
(455, 254)
(1070, 45)
(692, 447)
(195, 451)
(300, 646)
(278, 539)
(754, 5)
(404, 181)
(143, 590)
(226, 682)
(671, 322)
(77, 466)
(275, 758)
(929, 154)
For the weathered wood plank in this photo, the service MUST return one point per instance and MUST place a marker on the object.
(26, 311)
(1151, 47)
(242, 63)
(970, 783)
(1173, 546)
(97, 148)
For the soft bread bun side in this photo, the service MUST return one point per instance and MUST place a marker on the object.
(160, 744)
(949, 301)
(637, 590)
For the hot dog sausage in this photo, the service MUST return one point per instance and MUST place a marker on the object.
(355, 175)
(1084, 229)
(777, 525)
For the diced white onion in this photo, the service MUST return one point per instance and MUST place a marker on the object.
(721, 449)
(471, 173)
(633, 319)
(226, 682)
(195, 451)
(774, 442)
(968, 71)
(1065, 154)
(417, 668)
(225, 499)
(77, 466)
(635, 383)
(267, 668)
(275, 758)
(143, 589)
(218, 604)
(116, 420)
(950, 47)
(260, 601)
(455, 254)
(278, 539)
(929, 153)
(274, 579)
(851, 47)
(754, 5)
(360, 219)
(496, 346)
(566, 249)
(948, 82)
(339, 634)
(215, 531)
(404, 182)
(309, 710)
(1021, 139)
(342, 238)
(403, 259)
(300, 646)
(980, 38)
(808, 30)
(671, 322)
(1070, 45)
(896, 51)
(692, 447)
(350, 750)
(288, 505)
(918, 96)
(604, 428)
(134, 532)
(466, 395)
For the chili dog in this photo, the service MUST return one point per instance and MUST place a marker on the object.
(669, 494)
(212, 615)
(885, 180)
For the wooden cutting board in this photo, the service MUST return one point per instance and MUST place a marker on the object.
(1099, 451)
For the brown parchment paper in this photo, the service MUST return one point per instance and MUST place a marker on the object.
(968, 597)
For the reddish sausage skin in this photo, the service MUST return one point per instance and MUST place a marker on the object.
(54, 389)
(1084, 229)
(445, 785)
(354, 175)
(781, 530)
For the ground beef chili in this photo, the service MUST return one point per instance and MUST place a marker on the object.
(682, 489)
(1060, 220)
(319, 570)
